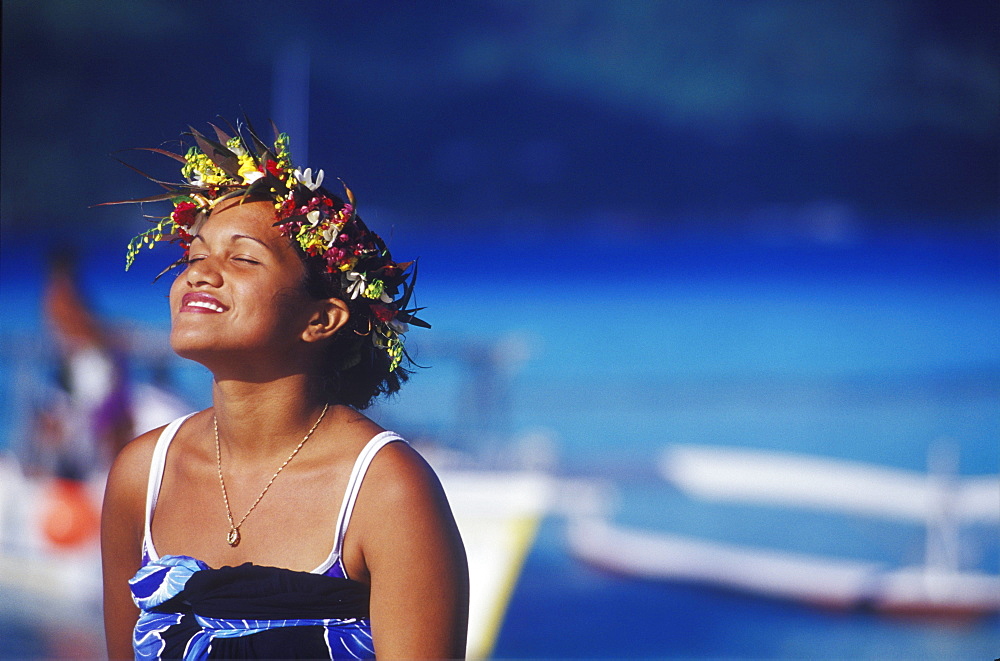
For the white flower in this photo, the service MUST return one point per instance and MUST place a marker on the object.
(398, 326)
(306, 178)
(329, 234)
(358, 284)
(313, 217)
(251, 177)
(195, 228)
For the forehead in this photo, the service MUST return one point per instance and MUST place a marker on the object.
(255, 219)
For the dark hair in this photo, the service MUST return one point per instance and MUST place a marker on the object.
(355, 370)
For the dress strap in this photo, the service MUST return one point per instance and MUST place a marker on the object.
(354, 484)
(156, 478)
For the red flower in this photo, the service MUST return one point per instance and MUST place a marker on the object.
(272, 168)
(334, 256)
(383, 312)
(184, 214)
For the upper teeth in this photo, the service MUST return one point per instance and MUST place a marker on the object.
(205, 304)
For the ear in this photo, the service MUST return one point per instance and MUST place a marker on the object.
(329, 316)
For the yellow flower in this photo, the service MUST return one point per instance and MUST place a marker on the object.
(376, 289)
(248, 170)
(212, 179)
(308, 238)
(235, 145)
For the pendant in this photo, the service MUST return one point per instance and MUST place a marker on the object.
(234, 537)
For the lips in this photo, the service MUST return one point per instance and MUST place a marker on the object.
(199, 302)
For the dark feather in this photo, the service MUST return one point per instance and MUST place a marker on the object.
(220, 155)
(176, 157)
(232, 129)
(165, 184)
(408, 288)
(140, 200)
(264, 152)
(220, 134)
(164, 271)
(407, 318)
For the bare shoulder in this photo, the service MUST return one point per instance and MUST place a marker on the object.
(123, 514)
(401, 492)
(404, 511)
(131, 466)
(402, 475)
(130, 470)
(414, 559)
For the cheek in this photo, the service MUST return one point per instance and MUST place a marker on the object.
(291, 305)
(175, 295)
(262, 309)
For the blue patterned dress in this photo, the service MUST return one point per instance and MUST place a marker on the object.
(190, 611)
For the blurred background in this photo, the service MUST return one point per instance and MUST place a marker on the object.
(767, 228)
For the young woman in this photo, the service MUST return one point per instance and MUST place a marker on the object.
(280, 522)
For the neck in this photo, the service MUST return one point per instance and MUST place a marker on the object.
(261, 419)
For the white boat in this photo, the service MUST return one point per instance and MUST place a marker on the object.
(820, 581)
(939, 500)
(498, 514)
(737, 474)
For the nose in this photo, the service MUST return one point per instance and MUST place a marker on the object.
(203, 272)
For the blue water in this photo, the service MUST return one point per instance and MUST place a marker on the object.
(876, 351)
(565, 610)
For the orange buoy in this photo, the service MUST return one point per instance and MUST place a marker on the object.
(69, 517)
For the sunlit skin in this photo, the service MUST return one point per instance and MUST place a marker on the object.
(239, 308)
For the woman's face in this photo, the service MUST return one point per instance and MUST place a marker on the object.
(241, 294)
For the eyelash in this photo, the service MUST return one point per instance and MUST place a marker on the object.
(247, 260)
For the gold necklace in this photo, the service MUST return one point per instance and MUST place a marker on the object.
(233, 538)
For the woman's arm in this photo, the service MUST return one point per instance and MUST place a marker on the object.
(415, 558)
(122, 523)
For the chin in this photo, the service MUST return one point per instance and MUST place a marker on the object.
(214, 352)
(191, 345)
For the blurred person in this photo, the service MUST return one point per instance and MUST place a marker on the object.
(280, 522)
(89, 418)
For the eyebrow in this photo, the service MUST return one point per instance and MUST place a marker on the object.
(234, 238)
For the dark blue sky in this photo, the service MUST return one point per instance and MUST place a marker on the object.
(465, 114)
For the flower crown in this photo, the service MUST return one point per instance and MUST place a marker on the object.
(322, 225)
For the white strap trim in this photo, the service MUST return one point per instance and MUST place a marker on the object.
(361, 464)
(353, 488)
(156, 465)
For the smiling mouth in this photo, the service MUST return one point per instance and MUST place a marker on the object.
(200, 302)
(204, 304)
